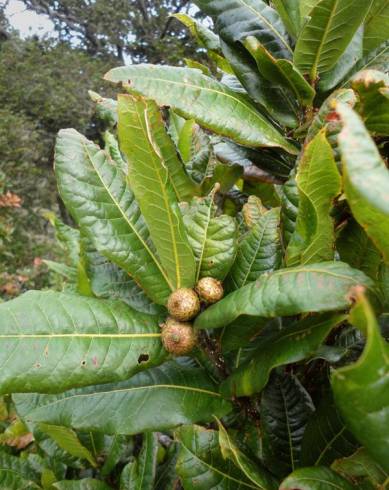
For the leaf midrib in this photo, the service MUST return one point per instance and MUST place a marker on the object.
(324, 37)
(240, 464)
(205, 239)
(291, 448)
(326, 482)
(257, 247)
(329, 273)
(128, 390)
(216, 470)
(306, 330)
(27, 479)
(270, 26)
(208, 89)
(376, 13)
(148, 136)
(379, 52)
(329, 445)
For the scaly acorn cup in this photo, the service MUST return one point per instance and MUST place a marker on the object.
(209, 289)
(179, 338)
(183, 304)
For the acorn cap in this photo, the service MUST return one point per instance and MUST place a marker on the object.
(178, 338)
(183, 304)
(210, 289)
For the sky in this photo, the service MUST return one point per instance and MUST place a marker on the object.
(27, 22)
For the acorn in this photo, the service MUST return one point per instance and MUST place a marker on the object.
(209, 289)
(183, 304)
(178, 338)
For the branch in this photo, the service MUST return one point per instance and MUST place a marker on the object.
(169, 21)
(211, 349)
(256, 174)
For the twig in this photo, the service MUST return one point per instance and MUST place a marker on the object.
(212, 350)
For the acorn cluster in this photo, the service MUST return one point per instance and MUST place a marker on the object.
(184, 304)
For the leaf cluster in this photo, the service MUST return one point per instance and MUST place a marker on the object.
(267, 175)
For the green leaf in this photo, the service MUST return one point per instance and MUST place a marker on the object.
(16, 473)
(327, 33)
(108, 281)
(204, 36)
(212, 238)
(285, 409)
(348, 346)
(252, 211)
(192, 95)
(315, 478)
(155, 141)
(114, 450)
(288, 194)
(324, 114)
(221, 63)
(140, 473)
(253, 471)
(383, 278)
(356, 248)
(183, 395)
(112, 148)
(16, 430)
(152, 163)
(48, 469)
(378, 59)
(63, 270)
(95, 191)
(167, 477)
(273, 100)
(53, 341)
(259, 251)
(376, 25)
(318, 182)
(85, 484)
(226, 176)
(264, 190)
(106, 109)
(200, 164)
(353, 53)
(361, 390)
(361, 465)
(306, 7)
(193, 145)
(373, 105)
(366, 179)
(280, 71)
(326, 437)
(201, 466)
(237, 19)
(271, 161)
(67, 439)
(286, 292)
(239, 334)
(68, 238)
(291, 344)
(185, 139)
(289, 11)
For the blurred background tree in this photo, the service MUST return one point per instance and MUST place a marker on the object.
(139, 30)
(43, 87)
